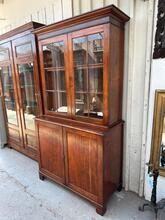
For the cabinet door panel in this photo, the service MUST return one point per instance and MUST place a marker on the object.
(51, 151)
(54, 75)
(84, 153)
(88, 57)
(9, 95)
(27, 87)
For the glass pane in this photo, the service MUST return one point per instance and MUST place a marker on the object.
(81, 104)
(8, 92)
(56, 101)
(62, 103)
(24, 49)
(80, 79)
(61, 84)
(54, 54)
(4, 55)
(96, 105)
(88, 78)
(79, 50)
(51, 105)
(95, 48)
(50, 80)
(96, 80)
(28, 94)
(56, 91)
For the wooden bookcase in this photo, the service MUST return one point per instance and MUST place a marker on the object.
(80, 132)
(19, 87)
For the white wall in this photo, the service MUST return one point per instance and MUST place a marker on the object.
(157, 82)
(138, 37)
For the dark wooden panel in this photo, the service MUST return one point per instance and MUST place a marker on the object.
(113, 154)
(116, 73)
(83, 161)
(51, 150)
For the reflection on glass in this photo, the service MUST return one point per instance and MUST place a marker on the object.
(24, 49)
(79, 50)
(95, 48)
(56, 91)
(56, 101)
(50, 80)
(88, 75)
(50, 101)
(96, 80)
(162, 149)
(28, 94)
(80, 79)
(54, 54)
(4, 54)
(81, 104)
(55, 77)
(8, 92)
(96, 106)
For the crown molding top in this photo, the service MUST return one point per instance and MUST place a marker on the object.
(26, 27)
(111, 11)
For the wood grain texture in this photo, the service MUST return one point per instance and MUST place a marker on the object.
(82, 172)
(92, 161)
(91, 147)
(116, 60)
(51, 150)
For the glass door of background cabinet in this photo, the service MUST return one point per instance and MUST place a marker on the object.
(54, 73)
(27, 82)
(88, 55)
(9, 95)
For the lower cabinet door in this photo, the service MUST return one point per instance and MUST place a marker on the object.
(84, 163)
(51, 151)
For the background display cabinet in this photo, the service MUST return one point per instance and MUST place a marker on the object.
(80, 132)
(19, 87)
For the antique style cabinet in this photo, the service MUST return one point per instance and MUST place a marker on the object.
(19, 87)
(80, 132)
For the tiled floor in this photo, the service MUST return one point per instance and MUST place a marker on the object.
(24, 197)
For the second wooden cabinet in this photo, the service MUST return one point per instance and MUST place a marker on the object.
(20, 88)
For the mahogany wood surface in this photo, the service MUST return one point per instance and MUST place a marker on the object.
(84, 154)
(20, 138)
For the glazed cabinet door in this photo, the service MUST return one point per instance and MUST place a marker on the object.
(84, 163)
(55, 77)
(8, 90)
(28, 87)
(50, 141)
(89, 57)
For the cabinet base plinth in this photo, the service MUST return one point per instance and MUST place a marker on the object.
(100, 210)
